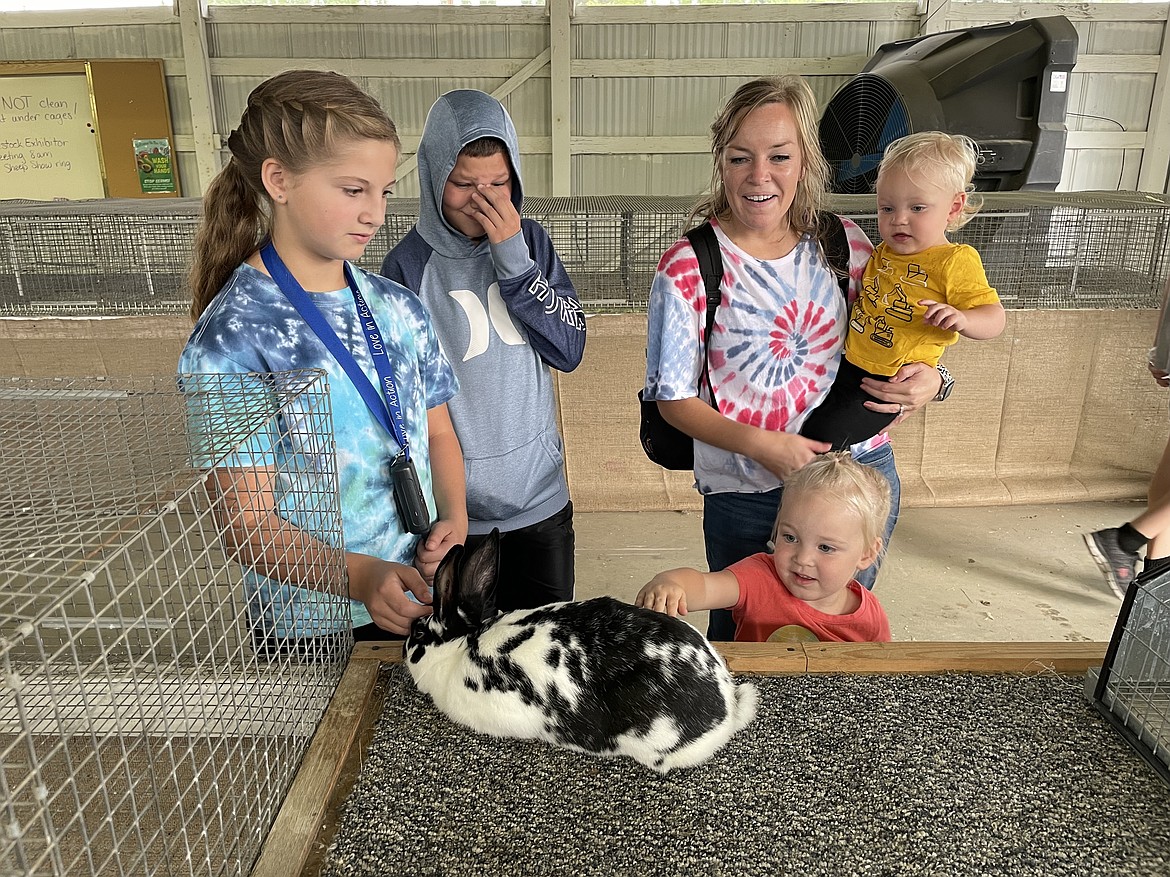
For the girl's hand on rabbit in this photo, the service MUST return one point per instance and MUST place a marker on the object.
(663, 595)
(442, 537)
(385, 589)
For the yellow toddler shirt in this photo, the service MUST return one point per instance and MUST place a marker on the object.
(885, 325)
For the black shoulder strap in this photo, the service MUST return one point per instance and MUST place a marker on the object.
(835, 245)
(706, 247)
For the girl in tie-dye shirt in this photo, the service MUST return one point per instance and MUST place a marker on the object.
(312, 163)
(779, 328)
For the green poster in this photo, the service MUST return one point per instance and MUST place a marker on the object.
(155, 173)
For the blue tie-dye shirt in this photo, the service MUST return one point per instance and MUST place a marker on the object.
(252, 327)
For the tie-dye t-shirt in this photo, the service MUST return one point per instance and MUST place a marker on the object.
(775, 347)
(251, 327)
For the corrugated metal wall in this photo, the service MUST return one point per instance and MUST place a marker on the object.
(644, 82)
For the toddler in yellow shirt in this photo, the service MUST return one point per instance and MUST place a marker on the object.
(920, 291)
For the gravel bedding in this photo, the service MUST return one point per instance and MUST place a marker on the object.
(954, 775)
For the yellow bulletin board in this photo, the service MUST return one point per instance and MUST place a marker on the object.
(86, 129)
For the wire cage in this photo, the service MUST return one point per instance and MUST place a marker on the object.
(1132, 688)
(1041, 249)
(146, 727)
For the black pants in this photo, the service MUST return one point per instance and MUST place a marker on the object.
(843, 418)
(536, 563)
(365, 633)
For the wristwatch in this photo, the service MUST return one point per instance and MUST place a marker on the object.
(948, 383)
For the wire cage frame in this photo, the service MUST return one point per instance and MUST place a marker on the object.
(1132, 688)
(146, 727)
(1041, 249)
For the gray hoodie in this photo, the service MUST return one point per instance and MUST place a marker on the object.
(504, 313)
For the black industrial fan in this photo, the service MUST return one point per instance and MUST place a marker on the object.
(1003, 85)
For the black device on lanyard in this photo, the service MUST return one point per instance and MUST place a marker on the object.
(409, 500)
(408, 495)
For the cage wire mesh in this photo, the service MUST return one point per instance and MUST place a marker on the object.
(1041, 250)
(1132, 688)
(145, 727)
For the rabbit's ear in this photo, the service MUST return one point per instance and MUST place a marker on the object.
(477, 581)
(446, 587)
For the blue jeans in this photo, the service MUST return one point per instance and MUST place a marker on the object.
(738, 525)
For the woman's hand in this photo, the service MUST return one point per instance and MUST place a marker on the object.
(783, 453)
(383, 587)
(915, 384)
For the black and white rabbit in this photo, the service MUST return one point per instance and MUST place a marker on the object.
(599, 676)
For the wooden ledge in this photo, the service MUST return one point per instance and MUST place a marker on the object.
(782, 659)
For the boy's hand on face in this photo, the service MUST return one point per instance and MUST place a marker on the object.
(497, 214)
(943, 316)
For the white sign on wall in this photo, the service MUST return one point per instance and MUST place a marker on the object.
(48, 145)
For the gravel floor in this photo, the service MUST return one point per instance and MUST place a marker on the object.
(840, 775)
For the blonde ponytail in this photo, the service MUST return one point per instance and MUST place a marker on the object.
(299, 118)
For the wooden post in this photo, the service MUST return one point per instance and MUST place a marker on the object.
(193, 30)
(561, 111)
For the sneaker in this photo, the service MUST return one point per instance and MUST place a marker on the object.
(1117, 564)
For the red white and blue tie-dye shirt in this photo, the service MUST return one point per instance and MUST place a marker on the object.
(775, 347)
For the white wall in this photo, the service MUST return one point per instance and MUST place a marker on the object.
(606, 100)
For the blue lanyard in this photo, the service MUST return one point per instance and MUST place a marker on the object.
(394, 422)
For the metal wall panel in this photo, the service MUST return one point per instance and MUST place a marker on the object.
(162, 41)
(611, 106)
(528, 106)
(325, 41)
(605, 106)
(179, 101)
(826, 39)
(1123, 97)
(472, 41)
(762, 39)
(613, 41)
(682, 174)
(1100, 170)
(406, 100)
(685, 106)
(27, 44)
(124, 41)
(690, 40)
(241, 40)
(400, 41)
(882, 32)
(1122, 38)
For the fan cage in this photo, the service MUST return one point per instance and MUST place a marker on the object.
(1132, 688)
(859, 122)
(143, 731)
(1042, 250)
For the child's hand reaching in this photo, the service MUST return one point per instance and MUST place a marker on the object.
(497, 214)
(663, 595)
(434, 547)
(943, 316)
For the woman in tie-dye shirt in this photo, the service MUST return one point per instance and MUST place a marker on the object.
(312, 163)
(779, 329)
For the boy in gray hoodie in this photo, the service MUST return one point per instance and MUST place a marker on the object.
(505, 313)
